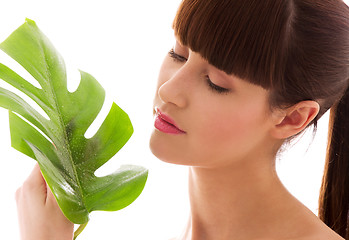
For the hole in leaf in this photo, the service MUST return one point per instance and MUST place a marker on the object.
(73, 78)
(36, 128)
(16, 67)
(30, 101)
(93, 128)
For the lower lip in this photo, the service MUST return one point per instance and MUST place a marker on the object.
(166, 127)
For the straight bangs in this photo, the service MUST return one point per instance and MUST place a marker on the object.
(245, 38)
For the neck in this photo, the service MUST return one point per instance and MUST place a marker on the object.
(230, 202)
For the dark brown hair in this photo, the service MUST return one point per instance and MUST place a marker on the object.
(297, 49)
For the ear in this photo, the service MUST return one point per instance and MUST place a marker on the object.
(293, 120)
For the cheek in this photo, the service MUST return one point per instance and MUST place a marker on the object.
(230, 135)
(224, 129)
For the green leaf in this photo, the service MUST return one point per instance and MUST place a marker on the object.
(67, 159)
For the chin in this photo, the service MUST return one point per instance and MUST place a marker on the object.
(166, 152)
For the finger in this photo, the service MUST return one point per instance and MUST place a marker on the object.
(35, 185)
(36, 177)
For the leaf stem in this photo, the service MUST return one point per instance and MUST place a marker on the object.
(79, 230)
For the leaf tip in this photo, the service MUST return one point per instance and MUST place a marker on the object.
(30, 22)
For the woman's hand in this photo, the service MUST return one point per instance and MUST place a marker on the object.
(39, 216)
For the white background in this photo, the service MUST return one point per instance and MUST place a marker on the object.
(122, 44)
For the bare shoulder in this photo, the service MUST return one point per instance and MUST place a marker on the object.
(324, 236)
(318, 231)
(321, 237)
(321, 233)
(314, 229)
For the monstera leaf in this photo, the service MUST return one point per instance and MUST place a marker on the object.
(67, 159)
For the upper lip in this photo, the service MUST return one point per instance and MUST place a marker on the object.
(166, 118)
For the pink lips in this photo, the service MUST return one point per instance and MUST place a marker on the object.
(165, 124)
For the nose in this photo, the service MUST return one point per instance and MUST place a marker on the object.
(175, 89)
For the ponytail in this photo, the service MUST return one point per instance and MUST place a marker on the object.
(334, 194)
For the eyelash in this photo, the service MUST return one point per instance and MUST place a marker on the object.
(215, 87)
(211, 85)
(176, 57)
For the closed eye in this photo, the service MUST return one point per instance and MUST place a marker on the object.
(215, 87)
(176, 57)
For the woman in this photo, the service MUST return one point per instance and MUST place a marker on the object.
(242, 78)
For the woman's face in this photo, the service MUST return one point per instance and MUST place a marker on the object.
(204, 117)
